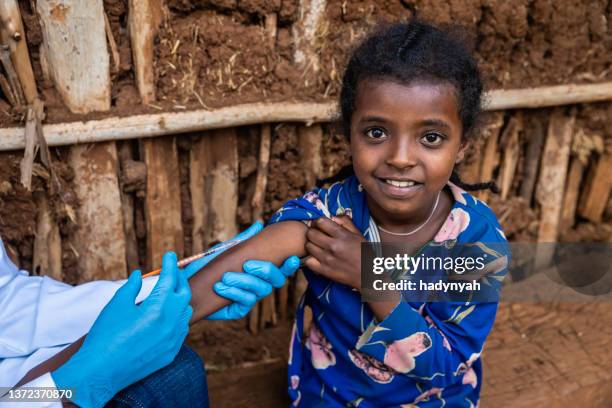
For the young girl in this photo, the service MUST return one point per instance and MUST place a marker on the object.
(410, 99)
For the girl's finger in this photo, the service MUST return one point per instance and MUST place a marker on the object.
(328, 226)
(319, 238)
(313, 264)
(346, 223)
(316, 252)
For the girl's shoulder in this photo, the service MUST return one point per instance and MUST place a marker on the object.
(331, 201)
(478, 221)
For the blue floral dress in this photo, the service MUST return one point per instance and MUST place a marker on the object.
(421, 354)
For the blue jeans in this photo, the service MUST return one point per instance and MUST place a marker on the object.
(180, 384)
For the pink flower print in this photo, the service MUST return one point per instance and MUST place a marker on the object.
(425, 396)
(469, 377)
(373, 368)
(295, 382)
(322, 355)
(431, 324)
(314, 199)
(458, 193)
(401, 353)
(456, 222)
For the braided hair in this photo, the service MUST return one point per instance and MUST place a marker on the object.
(410, 52)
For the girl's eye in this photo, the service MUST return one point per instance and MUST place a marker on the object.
(432, 139)
(375, 133)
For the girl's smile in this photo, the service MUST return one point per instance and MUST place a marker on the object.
(405, 141)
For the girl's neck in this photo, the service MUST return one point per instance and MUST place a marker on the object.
(408, 224)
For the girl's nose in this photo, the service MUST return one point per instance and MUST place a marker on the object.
(402, 154)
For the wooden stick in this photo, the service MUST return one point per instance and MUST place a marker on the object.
(8, 91)
(140, 126)
(595, 196)
(310, 139)
(31, 140)
(510, 153)
(552, 182)
(572, 189)
(490, 158)
(305, 31)
(548, 96)
(271, 21)
(268, 312)
(535, 143)
(261, 182)
(13, 79)
(127, 207)
(112, 43)
(144, 18)
(199, 166)
(47, 259)
(13, 35)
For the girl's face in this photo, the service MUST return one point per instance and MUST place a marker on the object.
(405, 141)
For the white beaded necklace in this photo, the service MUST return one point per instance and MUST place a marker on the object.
(417, 228)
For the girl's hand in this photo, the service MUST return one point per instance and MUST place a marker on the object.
(335, 250)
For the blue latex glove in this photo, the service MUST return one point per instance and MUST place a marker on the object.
(245, 289)
(127, 342)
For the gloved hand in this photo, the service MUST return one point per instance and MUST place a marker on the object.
(245, 289)
(127, 342)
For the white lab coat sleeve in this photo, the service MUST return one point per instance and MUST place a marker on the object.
(45, 381)
(39, 312)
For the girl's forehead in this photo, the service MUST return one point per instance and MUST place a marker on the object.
(392, 99)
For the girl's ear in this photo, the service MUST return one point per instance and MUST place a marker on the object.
(461, 152)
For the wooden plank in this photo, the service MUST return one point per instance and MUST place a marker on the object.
(309, 140)
(144, 18)
(271, 21)
(170, 123)
(163, 200)
(490, 158)
(75, 41)
(222, 187)
(13, 35)
(535, 136)
(551, 184)
(305, 31)
(47, 259)
(510, 149)
(268, 313)
(127, 208)
(572, 190)
(595, 195)
(199, 166)
(100, 239)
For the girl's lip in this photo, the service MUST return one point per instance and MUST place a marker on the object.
(399, 192)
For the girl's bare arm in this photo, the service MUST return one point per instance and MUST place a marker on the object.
(274, 244)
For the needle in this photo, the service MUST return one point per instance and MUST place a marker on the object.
(187, 261)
